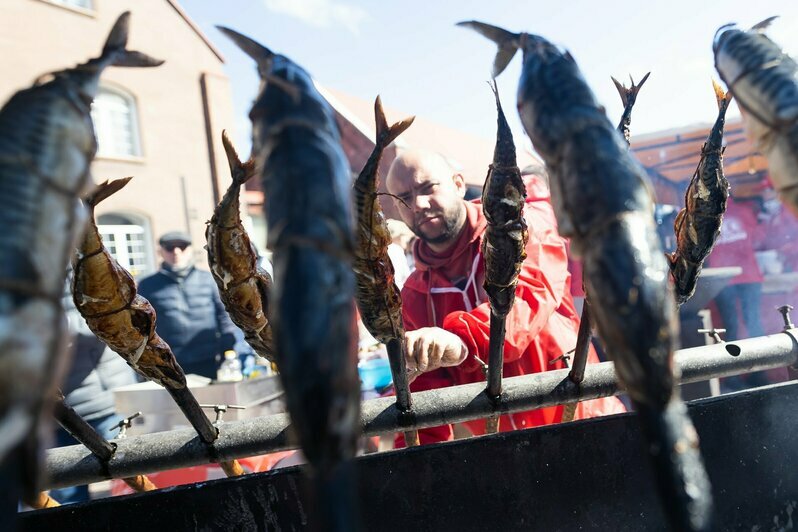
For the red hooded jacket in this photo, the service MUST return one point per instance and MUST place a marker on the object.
(541, 326)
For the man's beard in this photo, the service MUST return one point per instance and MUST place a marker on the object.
(450, 228)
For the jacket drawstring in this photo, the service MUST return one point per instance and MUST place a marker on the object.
(472, 282)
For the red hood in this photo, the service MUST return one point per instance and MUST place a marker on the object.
(474, 226)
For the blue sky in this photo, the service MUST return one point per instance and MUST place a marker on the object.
(411, 53)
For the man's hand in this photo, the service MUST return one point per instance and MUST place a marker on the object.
(431, 348)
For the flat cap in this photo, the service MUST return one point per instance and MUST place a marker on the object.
(175, 236)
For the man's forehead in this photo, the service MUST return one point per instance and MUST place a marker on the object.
(411, 173)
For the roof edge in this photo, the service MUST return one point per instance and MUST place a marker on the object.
(196, 29)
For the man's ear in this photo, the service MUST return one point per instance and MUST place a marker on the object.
(460, 184)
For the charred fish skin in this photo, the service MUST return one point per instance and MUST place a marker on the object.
(764, 81)
(243, 285)
(506, 235)
(377, 295)
(603, 202)
(306, 181)
(697, 226)
(46, 146)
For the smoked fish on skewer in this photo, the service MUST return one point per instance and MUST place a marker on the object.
(47, 143)
(105, 295)
(310, 216)
(503, 247)
(243, 285)
(376, 293)
(604, 204)
(583, 339)
(764, 82)
(697, 225)
(628, 98)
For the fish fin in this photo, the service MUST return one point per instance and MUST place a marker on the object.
(241, 172)
(263, 57)
(117, 41)
(762, 26)
(387, 134)
(495, 88)
(507, 42)
(252, 48)
(621, 90)
(105, 189)
(722, 97)
(639, 85)
(629, 94)
(132, 58)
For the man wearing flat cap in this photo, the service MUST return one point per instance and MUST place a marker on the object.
(190, 315)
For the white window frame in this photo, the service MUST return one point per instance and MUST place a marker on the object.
(135, 131)
(120, 233)
(69, 5)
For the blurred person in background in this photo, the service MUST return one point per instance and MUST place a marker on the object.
(88, 388)
(190, 314)
(739, 302)
(445, 308)
(398, 249)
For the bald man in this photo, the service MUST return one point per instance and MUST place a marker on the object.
(445, 308)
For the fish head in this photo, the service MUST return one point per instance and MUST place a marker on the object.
(722, 36)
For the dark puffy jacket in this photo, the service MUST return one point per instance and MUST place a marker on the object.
(95, 370)
(190, 317)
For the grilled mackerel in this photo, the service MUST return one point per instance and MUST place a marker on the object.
(243, 285)
(377, 295)
(764, 81)
(504, 244)
(628, 98)
(105, 295)
(47, 143)
(306, 182)
(697, 225)
(604, 204)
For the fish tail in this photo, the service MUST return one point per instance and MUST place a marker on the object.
(252, 48)
(105, 189)
(263, 57)
(722, 97)
(241, 172)
(629, 94)
(115, 52)
(507, 42)
(385, 133)
(760, 27)
(495, 88)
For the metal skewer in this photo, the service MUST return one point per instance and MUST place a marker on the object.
(495, 367)
(69, 466)
(231, 468)
(73, 423)
(404, 402)
(577, 373)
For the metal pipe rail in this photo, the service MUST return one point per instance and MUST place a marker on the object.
(68, 466)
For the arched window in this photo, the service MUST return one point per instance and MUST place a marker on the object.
(82, 5)
(126, 238)
(116, 124)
